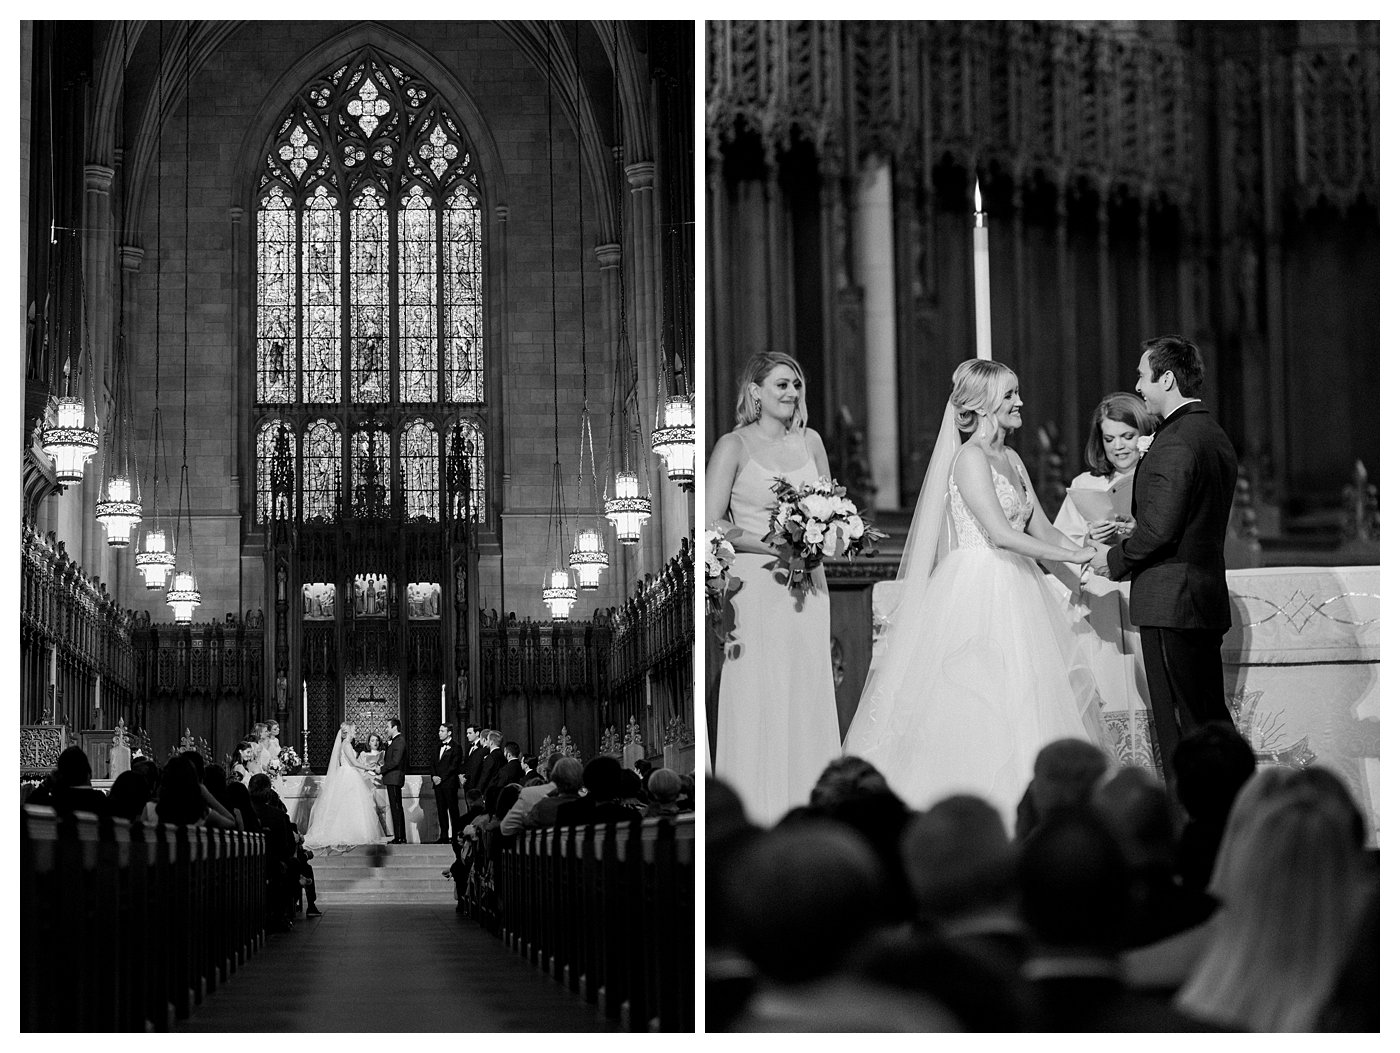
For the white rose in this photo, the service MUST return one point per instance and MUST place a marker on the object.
(814, 534)
(855, 527)
(818, 506)
(846, 506)
(1144, 444)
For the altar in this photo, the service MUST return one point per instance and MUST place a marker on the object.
(1302, 670)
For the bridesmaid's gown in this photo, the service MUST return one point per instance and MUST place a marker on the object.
(777, 702)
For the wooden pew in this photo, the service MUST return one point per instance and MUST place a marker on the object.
(125, 927)
(609, 911)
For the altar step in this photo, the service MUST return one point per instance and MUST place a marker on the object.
(384, 874)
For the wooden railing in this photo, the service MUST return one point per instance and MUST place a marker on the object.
(610, 913)
(125, 927)
(651, 656)
(71, 632)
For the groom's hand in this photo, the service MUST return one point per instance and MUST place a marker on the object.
(1099, 564)
(437, 780)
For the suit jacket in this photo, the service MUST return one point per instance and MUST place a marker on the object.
(447, 765)
(490, 765)
(1182, 492)
(471, 766)
(392, 767)
(507, 773)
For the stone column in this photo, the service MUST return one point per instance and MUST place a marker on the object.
(645, 330)
(874, 267)
(99, 244)
(623, 569)
(142, 456)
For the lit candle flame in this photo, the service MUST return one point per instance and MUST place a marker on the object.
(977, 195)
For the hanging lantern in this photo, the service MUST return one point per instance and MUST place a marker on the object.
(69, 442)
(183, 597)
(155, 560)
(627, 509)
(119, 513)
(675, 440)
(559, 594)
(588, 559)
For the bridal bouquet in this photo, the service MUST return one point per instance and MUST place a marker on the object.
(814, 522)
(719, 556)
(288, 761)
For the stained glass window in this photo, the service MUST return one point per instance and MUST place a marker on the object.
(321, 450)
(418, 453)
(268, 436)
(369, 288)
(474, 449)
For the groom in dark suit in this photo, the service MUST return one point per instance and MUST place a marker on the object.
(391, 769)
(1175, 556)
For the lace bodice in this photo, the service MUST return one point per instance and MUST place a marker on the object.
(1015, 502)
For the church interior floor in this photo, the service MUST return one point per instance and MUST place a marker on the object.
(390, 968)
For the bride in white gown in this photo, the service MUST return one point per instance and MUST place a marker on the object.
(344, 813)
(981, 667)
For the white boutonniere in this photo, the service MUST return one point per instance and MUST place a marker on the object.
(1144, 444)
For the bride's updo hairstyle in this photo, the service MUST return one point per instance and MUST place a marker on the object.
(977, 383)
(756, 371)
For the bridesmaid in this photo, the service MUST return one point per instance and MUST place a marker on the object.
(777, 702)
(1112, 454)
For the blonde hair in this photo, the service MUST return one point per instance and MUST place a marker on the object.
(1297, 870)
(976, 384)
(756, 370)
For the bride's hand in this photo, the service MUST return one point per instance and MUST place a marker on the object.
(1082, 555)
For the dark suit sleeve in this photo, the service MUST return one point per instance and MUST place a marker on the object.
(393, 756)
(1164, 484)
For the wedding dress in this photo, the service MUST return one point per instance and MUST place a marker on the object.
(344, 813)
(982, 665)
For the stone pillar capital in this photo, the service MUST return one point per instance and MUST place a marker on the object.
(609, 255)
(131, 256)
(97, 179)
(502, 213)
(235, 213)
(641, 175)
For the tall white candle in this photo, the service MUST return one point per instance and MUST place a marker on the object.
(97, 693)
(444, 703)
(981, 274)
(303, 706)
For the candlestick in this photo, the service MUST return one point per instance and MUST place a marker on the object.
(981, 274)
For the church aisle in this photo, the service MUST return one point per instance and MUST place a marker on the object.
(390, 968)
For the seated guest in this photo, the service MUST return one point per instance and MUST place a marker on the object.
(1135, 807)
(1074, 902)
(879, 816)
(961, 869)
(533, 775)
(1296, 872)
(687, 797)
(1064, 775)
(966, 947)
(281, 858)
(730, 978)
(514, 820)
(602, 783)
(1162, 967)
(70, 787)
(567, 777)
(240, 803)
(630, 792)
(643, 769)
(216, 782)
(664, 788)
(846, 777)
(802, 898)
(127, 799)
(1209, 767)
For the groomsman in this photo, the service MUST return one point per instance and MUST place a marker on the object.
(493, 762)
(476, 756)
(445, 768)
(1175, 556)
